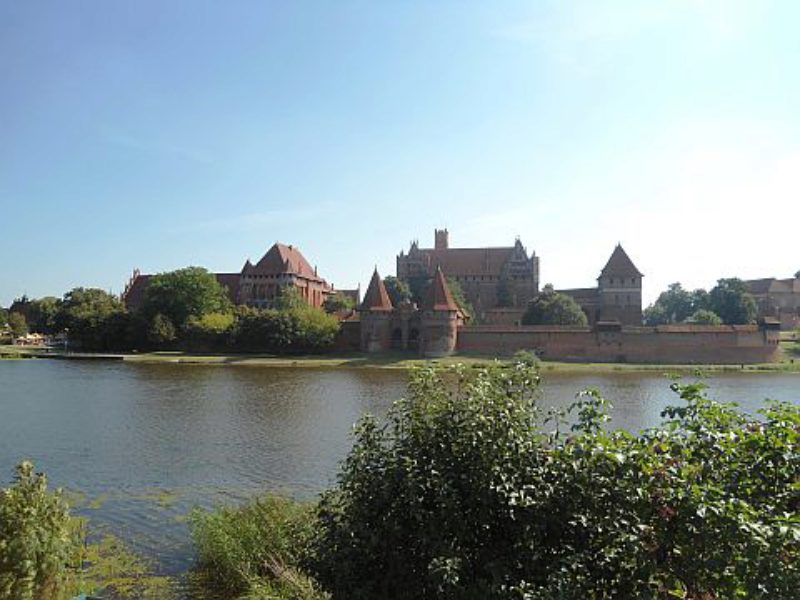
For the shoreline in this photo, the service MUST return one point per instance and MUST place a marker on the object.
(384, 361)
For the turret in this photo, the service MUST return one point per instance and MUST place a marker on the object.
(619, 288)
(376, 314)
(440, 319)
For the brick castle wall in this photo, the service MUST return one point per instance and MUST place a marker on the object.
(668, 345)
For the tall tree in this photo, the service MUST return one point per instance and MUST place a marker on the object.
(398, 290)
(87, 313)
(338, 302)
(552, 308)
(732, 302)
(188, 292)
(17, 324)
(43, 313)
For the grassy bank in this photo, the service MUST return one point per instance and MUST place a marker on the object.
(790, 362)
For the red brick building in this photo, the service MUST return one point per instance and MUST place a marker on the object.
(256, 285)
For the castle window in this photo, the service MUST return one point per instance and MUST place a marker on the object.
(612, 281)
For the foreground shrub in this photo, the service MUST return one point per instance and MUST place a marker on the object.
(39, 542)
(43, 554)
(253, 551)
(463, 493)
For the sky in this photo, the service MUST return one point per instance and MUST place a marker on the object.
(157, 135)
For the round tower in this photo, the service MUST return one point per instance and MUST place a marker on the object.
(440, 320)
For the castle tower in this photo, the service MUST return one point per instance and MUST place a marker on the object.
(440, 319)
(441, 239)
(620, 290)
(376, 317)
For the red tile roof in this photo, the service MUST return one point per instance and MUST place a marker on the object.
(620, 264)
(282, 259)
(377, 298)
(458, 262)
(439, 296)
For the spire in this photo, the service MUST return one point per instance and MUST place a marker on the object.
(439, 296)
(377, 298)
(620, 264)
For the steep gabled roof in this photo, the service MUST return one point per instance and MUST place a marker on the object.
(282, 259)
(377, 298)
(439, 296)
(620, 264)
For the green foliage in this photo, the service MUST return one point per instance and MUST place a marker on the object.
(39, 545)
(17, 324)
(459, 297)
(399, 291)
(188, 292)
(504, 299)
(731, 301)
(161, 332)
(301, 330)
(339, 302)
(209, 332)
(90, 315)
(675, 305)
(289, 298)
(44, 555)
(252, 551)
(43, 315)
(552, 308)
(705, 317)
(469, 492)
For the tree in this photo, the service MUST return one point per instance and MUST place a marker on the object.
(797, 275)
(3, 316)
(504, 299)
(338, 302)
(675, 305)
(43, 314)
(399, 291)
(459, 297)
(732, 302)
(655, 314)
(161, 332)
(17, 324)
(552, 308)
(289, 298)
(188, 292)
(705, 317)
(87, 314)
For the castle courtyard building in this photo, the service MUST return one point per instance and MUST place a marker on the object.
(494, 277)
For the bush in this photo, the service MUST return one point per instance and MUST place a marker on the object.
(553, 308)
(295, 331)
(210, 332)
(464, 494)
(40, 544)
(254, 549)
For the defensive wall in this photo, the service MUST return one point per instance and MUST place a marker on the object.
(668, 344)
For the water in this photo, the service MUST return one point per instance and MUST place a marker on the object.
(139, 445)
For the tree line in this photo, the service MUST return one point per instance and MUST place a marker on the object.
(727, 303)
(185, 309)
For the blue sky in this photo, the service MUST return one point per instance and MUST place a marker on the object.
(163, 134)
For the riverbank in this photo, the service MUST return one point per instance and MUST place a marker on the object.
(789, 364)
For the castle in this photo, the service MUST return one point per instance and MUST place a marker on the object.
(778, 299)
(500, 282)
(504, 277)
(283, 266)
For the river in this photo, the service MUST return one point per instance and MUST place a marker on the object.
(138, 446)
